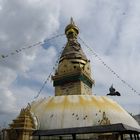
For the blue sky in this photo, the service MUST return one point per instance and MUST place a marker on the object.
(109, 27)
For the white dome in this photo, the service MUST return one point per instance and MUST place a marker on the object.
(79, 111)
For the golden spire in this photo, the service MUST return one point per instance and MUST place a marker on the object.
(25, 119)
(71, 21)
(71, 29)
(73, 75)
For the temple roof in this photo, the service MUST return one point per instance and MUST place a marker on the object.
(25, 120)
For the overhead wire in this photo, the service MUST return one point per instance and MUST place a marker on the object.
(40, 43)
(50, 74)
(109, 68)
(16, 51)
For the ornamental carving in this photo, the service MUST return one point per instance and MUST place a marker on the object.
(105, 120)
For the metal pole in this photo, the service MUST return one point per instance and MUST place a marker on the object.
(135, 136)
(121, 136)
(74, 136)
(138, 136)
(3, 134)
(39, 137)
(131, 137)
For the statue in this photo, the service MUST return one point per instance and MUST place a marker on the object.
(113, 91)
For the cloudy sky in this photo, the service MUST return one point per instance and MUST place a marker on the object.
(110, 27)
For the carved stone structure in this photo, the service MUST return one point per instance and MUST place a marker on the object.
(22, 127)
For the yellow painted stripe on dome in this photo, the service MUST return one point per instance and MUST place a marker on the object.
(98, 102)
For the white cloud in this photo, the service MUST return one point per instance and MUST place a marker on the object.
(7, 102)
(22, 23)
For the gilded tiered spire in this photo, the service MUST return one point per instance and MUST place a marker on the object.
(23, 126)
(73, 48)
(73, 76)
(71, 30)
(24, 120)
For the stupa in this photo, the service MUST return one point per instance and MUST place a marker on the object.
(74, 105)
